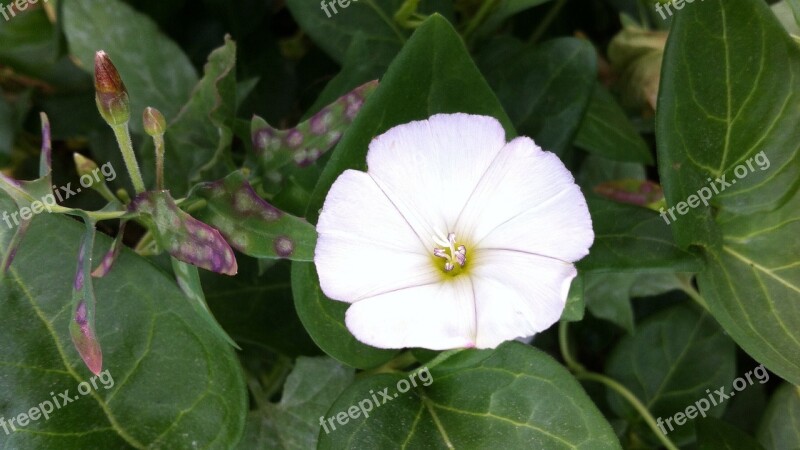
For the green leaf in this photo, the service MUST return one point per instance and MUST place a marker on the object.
(545, 88)
(155, 70)
(597, 170)
(631, 238)
(429, 76)
(715, 434)
(674, 357)
(575, 307)
(718, 118)
(323, 318)
(257, 308)
(780, 425)
(607, 296)
(175, 384)
(184, 237)
(198, 139)
(503, 11)
(371, 18)
(607, 131)
(188, 278)
(307, 394)
(250, 224)
(29, 40)
(512, 397)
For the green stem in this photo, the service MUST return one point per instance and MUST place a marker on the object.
(158, 140)
(548, 19)
(627, 395)
(124, 140)
(479, 17)
(96, 216)
(686, 286)
(398, 363)
(582, 374)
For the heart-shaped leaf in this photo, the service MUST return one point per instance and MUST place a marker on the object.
(743, 83)
(512, 397)
(168, 381)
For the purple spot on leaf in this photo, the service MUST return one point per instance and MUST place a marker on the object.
(284, 246)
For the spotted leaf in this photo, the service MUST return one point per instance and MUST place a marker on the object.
(112, 254)
(184, 237)
(305, 143)
(251, 225)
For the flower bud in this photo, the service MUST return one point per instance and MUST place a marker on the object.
(154, 123)
(111, 94)
(84, 165)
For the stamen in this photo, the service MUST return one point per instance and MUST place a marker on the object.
(450, 253)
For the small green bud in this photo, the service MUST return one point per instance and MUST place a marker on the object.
(154, 123)
(111, 95)
(84, 165)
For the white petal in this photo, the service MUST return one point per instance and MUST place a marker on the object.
(528, 201)
(430, 168)
(517, 294)
(438, 317)
(365, 247)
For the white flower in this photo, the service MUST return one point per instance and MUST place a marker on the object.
(453, 238)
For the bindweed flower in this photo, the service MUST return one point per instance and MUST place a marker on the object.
(453, 237)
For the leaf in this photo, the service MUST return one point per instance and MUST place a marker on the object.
(607, 296)
(511, 397)
(780, 427)
(304, 144)
(633, 192)
(257, 308)
(607, 131)
(307, 394)
(597, 170)
(30, 43)
(675, 356)
(250, 224)
(171, 376)
(323, 318)
(155, 70)
(334, 34)
(200, 135)
(82, 326)
(188, 278)
(113, 253)
(715, 434)
(503, 11)
(184, 237)
(429, 76)
(630, 238)
(575, 307)
(718, 118)
(545, 88)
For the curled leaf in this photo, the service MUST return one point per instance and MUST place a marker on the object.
(184, 237)
(81, 327)
(111, 255)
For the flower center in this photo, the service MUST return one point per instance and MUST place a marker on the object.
(452, 254)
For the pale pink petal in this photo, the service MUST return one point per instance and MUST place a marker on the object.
(438, 316)
(365, 247)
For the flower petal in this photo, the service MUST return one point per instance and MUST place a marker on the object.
(438, 316)
(429, 168)
(517, 294)
(528, 201)
(365, 247)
